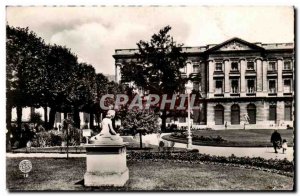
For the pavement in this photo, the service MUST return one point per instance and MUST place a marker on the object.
(267, 152)
(264, 152)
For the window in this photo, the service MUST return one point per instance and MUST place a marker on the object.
(287, 86)
(250, 86)
(272, 66)
(251, 111)
(219, 87)
(287, 65)
(196, 69)
(234, 86)
(234, 66)
(272, 112)
(250, 65)
(235, 114)
(183, 70)
(288, 111)
(196, 86)
(219, 115)
(218, 66)
(272, 86)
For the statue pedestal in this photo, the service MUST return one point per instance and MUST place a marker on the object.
(106, 164)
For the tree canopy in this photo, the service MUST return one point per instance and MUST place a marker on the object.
(44, 75)
(158, 64)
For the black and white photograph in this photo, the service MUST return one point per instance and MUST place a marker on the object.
(150, 98)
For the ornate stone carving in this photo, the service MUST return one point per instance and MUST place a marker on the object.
(234, 46)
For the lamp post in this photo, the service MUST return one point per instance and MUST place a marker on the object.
(189, 137)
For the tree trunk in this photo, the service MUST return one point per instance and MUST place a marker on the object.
(141, 140)
(65, 115)
(51, 118)
(76, 118)
(8, 117)
(163, 120)
(19, 117)
(91, 121)
(97, 116)
(46, 117)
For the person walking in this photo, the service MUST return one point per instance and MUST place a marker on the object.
(276, 140)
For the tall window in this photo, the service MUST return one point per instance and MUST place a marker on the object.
(287, 86)
(250, 65)
(219, 87)
(287, 65)
(196, 86)
(272, 86)
(288, 111)
(250, 86)
(234, 66)
(272, 111)
(219, 67)
(234, 86)
(235, 114)
(196, 69)
(272, 66)
(251, 110)
(219, 115)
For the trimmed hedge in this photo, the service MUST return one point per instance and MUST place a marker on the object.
(183, 135)
(281, 165)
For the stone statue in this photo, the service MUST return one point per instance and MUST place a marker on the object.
(107, 134)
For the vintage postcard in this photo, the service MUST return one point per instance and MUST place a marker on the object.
(150, 98)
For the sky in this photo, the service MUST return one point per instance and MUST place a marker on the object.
(93, 33)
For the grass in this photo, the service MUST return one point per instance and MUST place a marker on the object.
(62, 174)
(239, 138)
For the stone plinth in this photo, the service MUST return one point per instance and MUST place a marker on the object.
(106, 163)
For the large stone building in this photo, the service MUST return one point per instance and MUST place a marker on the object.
(238, 79)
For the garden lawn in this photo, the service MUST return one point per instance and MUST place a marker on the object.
(238, 138)
(63, 174)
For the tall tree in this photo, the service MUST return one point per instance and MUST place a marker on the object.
(59, 74)
(24, 57)
(158, 65)
(81, 90)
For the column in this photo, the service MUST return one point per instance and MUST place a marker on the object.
(226, 78)
(189, 68)
(279, 75)
(210, 115)
(259, 77)
(211, 68)
(280, 111)
(243, 80)
(118, 72)
(264, 76)
(203, 78)
(227, 113)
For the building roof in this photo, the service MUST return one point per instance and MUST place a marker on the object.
(228, 45)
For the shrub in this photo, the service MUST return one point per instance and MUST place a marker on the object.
(201, 138)
(280, 165)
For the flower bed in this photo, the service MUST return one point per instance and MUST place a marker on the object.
(275, 164)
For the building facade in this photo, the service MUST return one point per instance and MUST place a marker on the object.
(239, 82)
